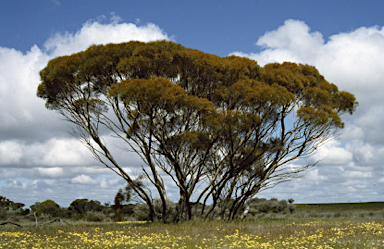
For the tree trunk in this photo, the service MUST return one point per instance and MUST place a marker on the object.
(247, 206)
(163, 197)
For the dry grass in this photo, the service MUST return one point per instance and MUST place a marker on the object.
(308, 228)
(265, 233)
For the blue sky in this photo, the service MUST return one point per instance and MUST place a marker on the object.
(217, 27)
(39, 160)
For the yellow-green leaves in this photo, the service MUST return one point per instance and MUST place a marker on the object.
(157, 93)
(197, 116)
(321, 116)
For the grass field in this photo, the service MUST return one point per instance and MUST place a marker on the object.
(336, 226)
(359, 206)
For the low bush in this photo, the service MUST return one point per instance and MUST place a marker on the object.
(118, 215)
(49, 207)
(3, 213)
(141, 211)
(291, 208)
(337, 215)
(272, 205)
(94, 216)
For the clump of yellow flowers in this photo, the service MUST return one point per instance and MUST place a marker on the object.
(318, 234)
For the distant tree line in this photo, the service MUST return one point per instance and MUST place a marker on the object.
(123, 208)
(8, 204)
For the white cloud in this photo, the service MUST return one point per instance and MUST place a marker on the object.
(22, 114)
(105, 183)
(23, 117)
(10, 152)
(66, 152)
(292, 41)
(358, 175)
(353, 61)
(332, 154)
(54, 172)
(35, 146)
(38, 154)
(53, 152)
(84, 179)
(352, 132)
(98, 33)
(352, 163)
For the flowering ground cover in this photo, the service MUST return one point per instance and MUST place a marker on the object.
(332, 233)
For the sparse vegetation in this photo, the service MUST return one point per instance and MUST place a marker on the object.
(141, 211)
(94, 216)
(358, 225)
(270, 231)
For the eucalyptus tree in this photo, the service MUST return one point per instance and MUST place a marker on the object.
(222, 129)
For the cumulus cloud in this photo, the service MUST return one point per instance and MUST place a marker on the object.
(291, 42)
(10, 152)
(84, 179)
(353, 61)
(34, 142)
(39, 160)
(331, 153)
(23, 115)
(98, 33)
(53, 152)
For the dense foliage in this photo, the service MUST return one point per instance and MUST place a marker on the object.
(7, 204)
(222, 129)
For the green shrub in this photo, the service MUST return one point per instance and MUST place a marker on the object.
(252, 211)
(272, 205)
(3, 213)
(118, 215)
(44, 217)
(337, 215)
(81, 206)
(66, 213)
(13, 218)
(25, 211)
(315, 214)
(141, 211)
(49, 207)
(94, 216)
(282, 205)
(291, 208)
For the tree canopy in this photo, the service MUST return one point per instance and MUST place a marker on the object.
(222, 129)
(7, 204)
(48, 207)
(81, 206)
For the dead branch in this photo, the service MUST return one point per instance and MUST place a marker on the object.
(62, 222)
(9, 222)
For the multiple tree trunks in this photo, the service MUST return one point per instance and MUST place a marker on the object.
(225, 124)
